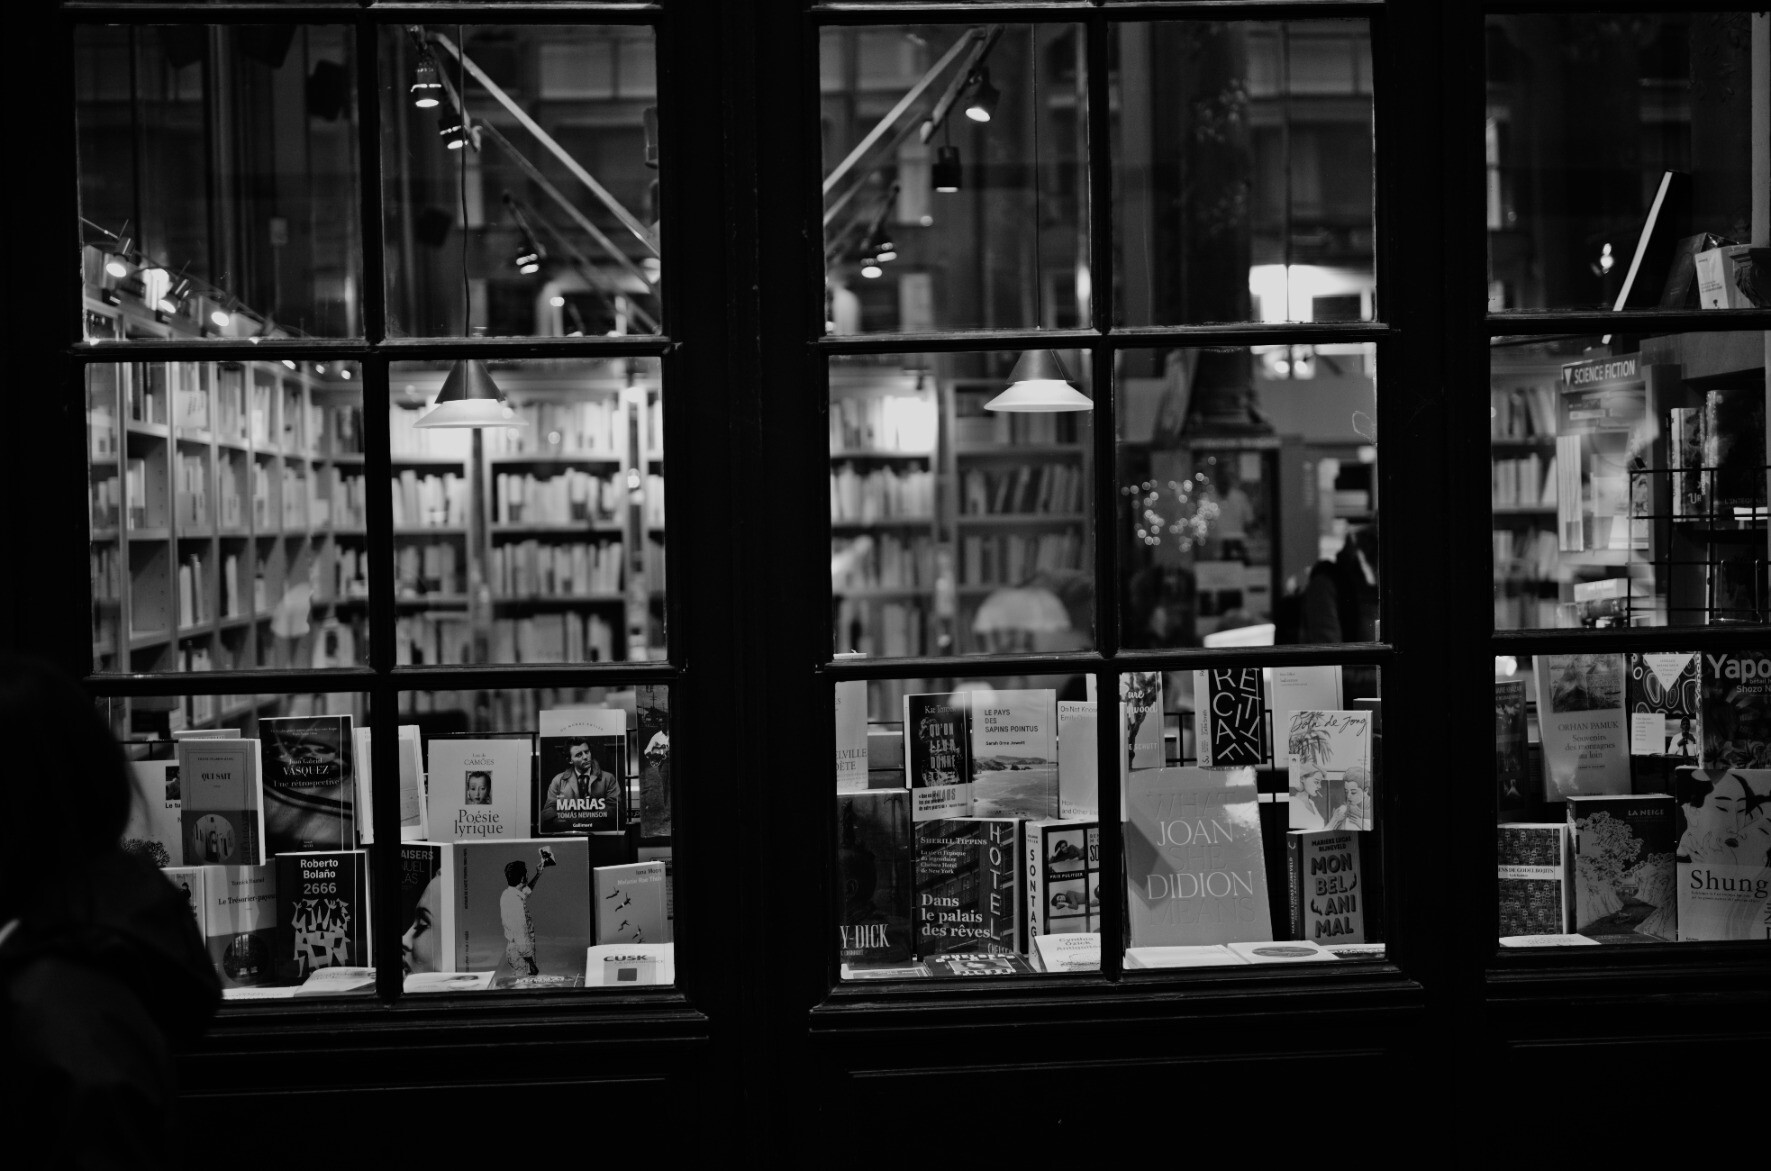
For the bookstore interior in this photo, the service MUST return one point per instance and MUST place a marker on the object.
(379, 353)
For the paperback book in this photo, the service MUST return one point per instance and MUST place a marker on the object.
(520, 910)
(427, 908)
(1295, 951)
(630, 904)
(153, 831)
(240, 922)
(653, 719)
(1624, 878)
(1194, 866)
(1512, 760)
(1723, 859)
(414, 814)
(322, 912)
(1325, 873)
(1063, 877)
(629, 965)
(309, 783)
(192, 882)
(1736, 710)
(1663, 693)
(1602, 435)
(1015, 754)
(1140, 724)
(937, 755)
(480, 789)
(1582, 725)
(1329, 759)
(221, 812)
(1066, 953)
(967, 873)
(1230, 717)
(995, 964)
(873, 862)
(851, 735)
(1079, 759)
(1297, 689)
(583, 773)
(1533, 878)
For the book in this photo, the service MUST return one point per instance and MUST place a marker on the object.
(1552, 939)
(1230, 717)
(1582, 726)
(583, 775)
(427, 907)
(1735, 588)
(520, 909)
(666, 857)
(629, 965)
(1662, 693)
(1194, 867)
(1512, 758)
(1015, 754)
(1733, 276)
(414, 809)
(480, 789)
(1079, 759)
(448, 981)
(1603, 434)
(1328, 757)
(221, 812)
(336, 980)
(937, 755)
(1212, 955)
(1325, 876)
(967, 874)
(894, 972)
(1734, 452)
(192, 882)
(1140, 723)
(322, 912)
(240, 922)
(630, 904)
(1066, 953)
(652, 713)
(1533, 877)
(851, 735)
(1680, 289)
(1063, 875)
(1624, 880)
(1295, 951)
(995, 964)
(1735, 710)
(153, 830)
(873, 864)
(309, 783)
(1685, 461)
(1296, 689)
(1723, 858)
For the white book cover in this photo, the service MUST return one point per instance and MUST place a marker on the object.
(1079, 760)
(895, 972)
(1723, 859)
(479, 789)
(153, 829)
(1296, 689)
(1194, 864)
(1214, 955)
(333, 981)
(221, 810)
(360, 740)
(1329, 755)
(1582, 724)
(851, 736)
(1015, 754)
(414, 808)
(616, 965)
(1290, 951)
(1558, 940)
(1067, 953)
(449, 981)
(240, 921)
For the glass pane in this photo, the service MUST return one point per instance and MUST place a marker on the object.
(521, 178)
(1249, 479)
(538, 543)
(1243, 147)
(1629, 481)
(1633, 792)
(554, 805)
(256, 807)
(955, 529)
(1252, 827)
(1618, 148)
(946, 790)
(218, 181)
(956, 186)
(226, 520)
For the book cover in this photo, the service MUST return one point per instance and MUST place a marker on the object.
(1582, 725)
(1533, 878)
(221, 812)
(937, 755)
(851, 735)
(414, 804)
(583, 770)
(1063, 877)
(521, 911)
(873, 865)
(1325, 873)
(629, 965)
(652, 717)
(448, 981)
(1066, 953)
(240, 922)
(322, 912)
(1603, 433)
(427, 908)
(1691, 479)
(480, 789)
(1140, 725)
(1297, 689)
(968, 886)
(665, 856)
(1735, 705)
(1512, 759)
(1624, 880)
(1294, 951)
(1734, 450)
(1214, 955)
(1230, 717)
(1664, 688)
(154, 831)
(1079, 759)
(1723, 859)
(1194, 868)
(995, 964)
(1734, 585)
(1329, 759)
(630, 904)
(309, 783)
(192, 882)
(1015, 754)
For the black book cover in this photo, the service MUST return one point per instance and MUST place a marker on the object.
(873, 857)
(421, 905)
(1512, 765)
(653, 746)
(1235, 717)
(322, 912)
(1736, 704)
(309, 783)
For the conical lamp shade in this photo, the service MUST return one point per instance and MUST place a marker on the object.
(470, 398)
(1038, 385)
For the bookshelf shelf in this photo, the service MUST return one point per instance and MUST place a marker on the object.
(98, 536)
(562, 457)
(439, 531)
(148, 430)
(1027, 518)
(565, 529)
(143, 639)
(1516, 510)
(885, 522)
(1014, 450)
(879, 454)
(426, 461)
(557, 599)
(150, 534)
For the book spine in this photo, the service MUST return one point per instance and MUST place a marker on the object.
(1294, 882)
(1035, 859)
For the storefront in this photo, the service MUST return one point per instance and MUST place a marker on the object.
(1087, 321)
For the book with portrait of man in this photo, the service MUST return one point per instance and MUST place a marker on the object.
(582, 780)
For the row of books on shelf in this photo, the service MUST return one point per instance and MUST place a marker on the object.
(654, 500)
(430, 501)
(994, 559)
(406, 439)
(577, 569)
(1525, 552)
(882, 562)
(1527, 481)
(891, 629)
(568, 497)
(883, 422)
(1522, 412)
(104, 502)
(655, 563)
(858, 497)
(1044, 489)
(566, 637)
(107, 574)
(587, 427)
(432, 568)
(974, 426)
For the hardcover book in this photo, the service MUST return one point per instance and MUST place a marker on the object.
(1015, 754)
(630, 904)
(192, 882)
(480, 789)
(1581, 721)
(937, 755)
(1329, 759)
(851, 735)
(427, 908)
(1194, 867)
(521, 911)
(1140, 723)
(873, 861)
(583, 770)
(1723, 859)
(653, 719)
(240, 921)
(967, 872)
(322, 912)
(1063, 877)
(1079, 759)
(1325, 873)
(309, 783)
(1230, 717)
(1512, 757)
(1066, 953)
(1533, 878)
(153, 830)
(1664, 687)
(1736, 710)
(1624, 879)
(222, 808)
(996, 964)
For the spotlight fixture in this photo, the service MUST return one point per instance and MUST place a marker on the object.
(344, 372)
(870, 268)
(1039, 385)
(116, 266)
(427, 84)
(288, 363)
(946, 170)
(982, 107)
(470, 398)
(884, 250)
(452, 129)
(174, 298)
(220, 318)
(529, 255)
(557, 301)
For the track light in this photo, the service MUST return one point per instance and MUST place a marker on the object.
(982, 107)
(884, 250)
(174, 298)
(288, 363)
(946, 169)
(427, 84)
(529, 255)
(452, 129)
(220, 317)
(871, 270)
(557, 301)
(344, 372)
(116, 266)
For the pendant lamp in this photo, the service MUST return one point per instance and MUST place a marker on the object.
(1039, 385)
(470, 398)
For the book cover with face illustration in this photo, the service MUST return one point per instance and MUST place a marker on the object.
(480, 789)
(1723, 858)
(309, 783)
(1329, 759)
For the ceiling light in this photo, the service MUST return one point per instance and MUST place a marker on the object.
(117, 267)
(288, 363)
(529, 255)
(344, 373)
(557, 301)
(221, 318)
(174, 298)
(1039, 385)
(427, 86)
(451, 130)
(984, 98)
(946, 170)
(470, 398)
(871, 270)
